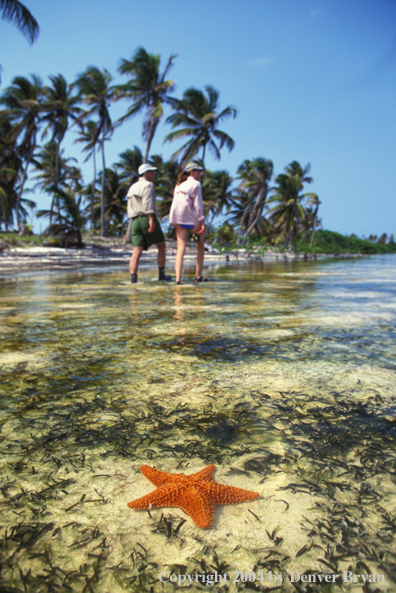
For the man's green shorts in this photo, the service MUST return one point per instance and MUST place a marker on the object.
(140, 235)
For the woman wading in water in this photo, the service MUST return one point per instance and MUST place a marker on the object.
(187, 214)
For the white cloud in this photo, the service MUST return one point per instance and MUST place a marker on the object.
(261, 62)
(316, 8)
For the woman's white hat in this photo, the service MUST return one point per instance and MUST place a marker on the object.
(191, 166)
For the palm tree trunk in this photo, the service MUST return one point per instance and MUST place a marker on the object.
(257, 211)
(93, 191)
(19, 197)
(55, 198)
(242, 223)
(313, 226)
(102, 204)
(24, 177)
(203, 154)
(150, 136)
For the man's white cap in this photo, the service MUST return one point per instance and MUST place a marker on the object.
(145, 167)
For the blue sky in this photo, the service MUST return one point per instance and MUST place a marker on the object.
(313, 81)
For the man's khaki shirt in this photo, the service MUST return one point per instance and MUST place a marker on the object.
(141, 198)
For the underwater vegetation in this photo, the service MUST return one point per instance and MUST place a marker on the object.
(283, 377)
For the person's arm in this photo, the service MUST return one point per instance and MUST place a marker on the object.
(151, 228)
(199, 208)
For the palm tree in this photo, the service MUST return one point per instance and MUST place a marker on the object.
(197, 118)
(217, 193)
(70, 219)
(10, 164)
(254, 176)
(95, 90)
(23, 101)
(53, 169)
(241, 206)
(116, 190)
(59, 106)
(295, 169)
(315, 202)
(131, 159)
(148, 89)
(15, 12)
(6, 195)
(165, 181)
(288, 211)
(89, 134)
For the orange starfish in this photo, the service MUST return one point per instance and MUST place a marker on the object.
(197, 494)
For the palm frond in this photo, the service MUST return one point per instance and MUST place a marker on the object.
(16, 13)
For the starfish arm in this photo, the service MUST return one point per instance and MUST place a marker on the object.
(197, 494)
(199, 507)
(204, 474)
(168, 495)
(155, 476)
(228, 494)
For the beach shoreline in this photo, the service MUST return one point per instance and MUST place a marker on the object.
(116, 255)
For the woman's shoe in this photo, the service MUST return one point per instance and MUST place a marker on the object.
(201, 279)
(179, 283)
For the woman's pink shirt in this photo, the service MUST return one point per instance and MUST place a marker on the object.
(187, 205)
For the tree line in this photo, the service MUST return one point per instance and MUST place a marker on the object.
(35, 118)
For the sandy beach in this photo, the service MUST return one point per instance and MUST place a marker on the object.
(112, 254)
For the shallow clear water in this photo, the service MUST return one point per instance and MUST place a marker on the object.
(282, 376)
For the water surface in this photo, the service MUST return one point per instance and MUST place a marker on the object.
(283, 376)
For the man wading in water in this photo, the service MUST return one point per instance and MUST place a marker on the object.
(145, 228)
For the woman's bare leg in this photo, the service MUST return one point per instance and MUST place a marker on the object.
(182, 238)
(201, 252)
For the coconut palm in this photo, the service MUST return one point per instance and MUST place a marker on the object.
(96, 91)
(6, 195)
(241, 206)
(59, 107)
(315, 202)
(295, 169)
(217, 193)
(10, 164)
(23, 104)
(69, 220)
(53, 169)
(165, 181)
(131, 159)
(288, 211)
(196, 117)
(116, 190)
(254, 178)
(148, 89)
(89, 134)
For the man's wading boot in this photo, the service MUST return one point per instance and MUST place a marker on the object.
(162, 277)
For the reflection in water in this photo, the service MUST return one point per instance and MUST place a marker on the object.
(282, 376)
